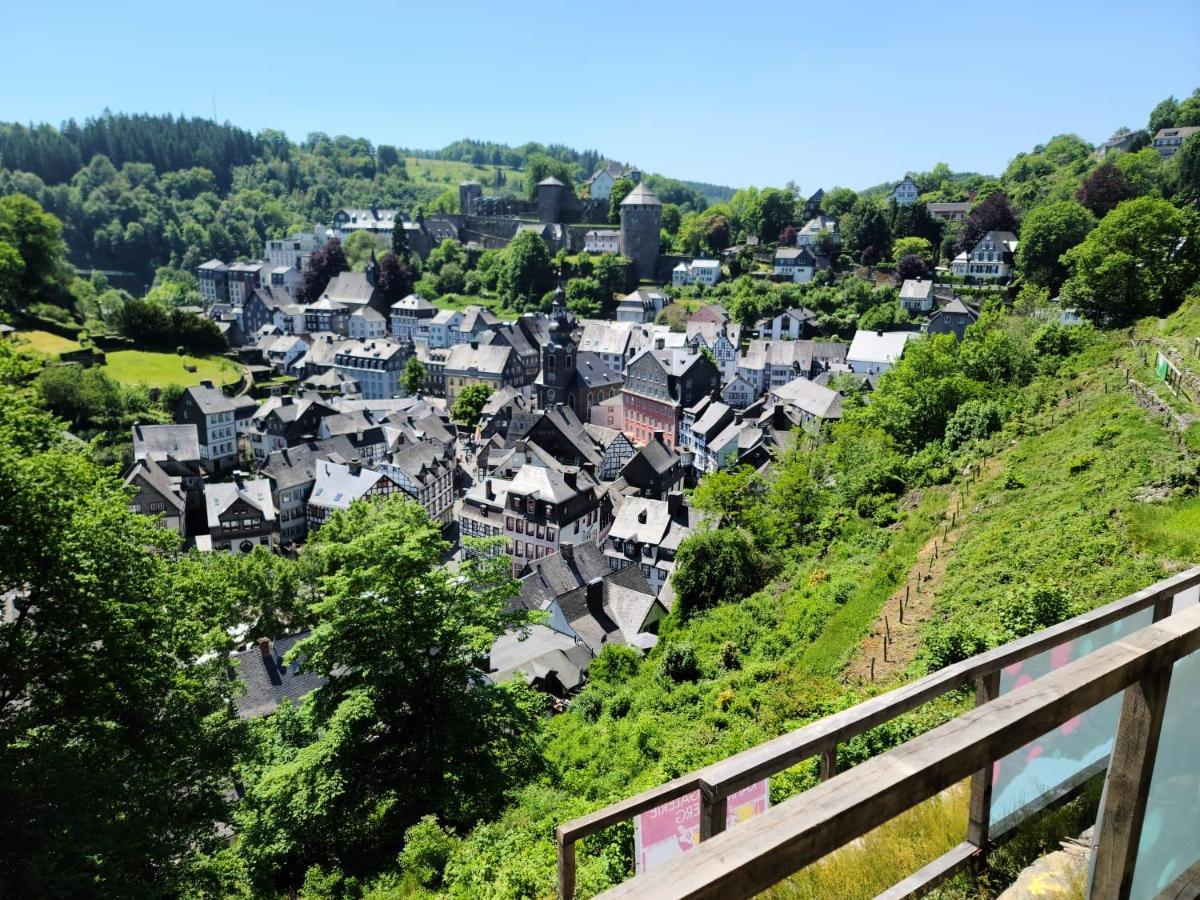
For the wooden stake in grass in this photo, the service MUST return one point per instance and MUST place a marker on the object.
(872, 668)
(887, 630)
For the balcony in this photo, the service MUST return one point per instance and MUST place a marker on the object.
(1125, 676)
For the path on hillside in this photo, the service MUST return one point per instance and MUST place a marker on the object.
(918, 592)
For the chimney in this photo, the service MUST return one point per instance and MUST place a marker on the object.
(572, 480)
(658, 437)
(487, 489)
(595, 595)
(642, 516)
(355, 466)
(567, 551)
(521, 447)
(659, 343)
(674, 504)
(287, 400)
(474, 345)
(879, 332)
(264, 647)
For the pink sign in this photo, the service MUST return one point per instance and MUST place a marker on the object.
(674, 828)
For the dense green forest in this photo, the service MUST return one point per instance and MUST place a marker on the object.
(137, 192)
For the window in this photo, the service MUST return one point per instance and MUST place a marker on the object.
(550, 534)
(520, 547)
(520, 526)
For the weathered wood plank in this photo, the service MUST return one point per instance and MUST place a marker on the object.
(629, 807)
(987, 689)
(929, 876)
(769, 847)
(1129, 772)
(1185, 887)
(566, 866)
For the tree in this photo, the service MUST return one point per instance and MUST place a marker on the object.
(1163, 116)
(585, 297)
(910, 266)
(715, 567)
(325, 262)
(32, 253)
(1049, 231)
(730, 497)
(526, 273)
(838, 201)
(1140, 260)
(539, 167)
(867, 232)
(777, 209)
(399, 238)
(620, 190)
(913, 246)
(1104, 189)
(787, 237)
(360, 247)
(993, 213)
(412, 379)
(404, 726)
(394, 278)
(468, 405)
(1185, 172)
(116, 735)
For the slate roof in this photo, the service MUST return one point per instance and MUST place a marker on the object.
(335, 486)
(349, 288)
(220, 497)
(641, 196)
(535, 652)
(810, 398)
(210, 400)
(572, 567)
(162, 442)
(487, 359)
(149, 471)
(269, 681)
(657, 456)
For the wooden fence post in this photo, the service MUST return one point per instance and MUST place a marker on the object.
(1125, 791)
(566, 867)
(987, 688)
(828, 762)
(712, 815)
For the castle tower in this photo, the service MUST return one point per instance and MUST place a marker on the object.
(641, 223)
(468, 193)
(551, 196)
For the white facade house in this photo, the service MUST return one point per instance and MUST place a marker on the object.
(698, 271)
(1167, 141)
(991, 257)
(641, 306)
(807, 236)
(916, 295)
(906, 192)
(602, 240)
(294, 251)
(435, 333)
(366, 323)
(874, 352)
(794, 263)
(738, 393)
(788, 325)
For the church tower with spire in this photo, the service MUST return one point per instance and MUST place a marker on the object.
(558, 357)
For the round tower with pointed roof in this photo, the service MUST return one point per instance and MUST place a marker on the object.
(641, 225)
(551, 197)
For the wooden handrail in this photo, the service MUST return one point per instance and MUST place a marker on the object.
(801, 830)
(720, 779)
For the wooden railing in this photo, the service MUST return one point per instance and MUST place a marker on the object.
(747, 871)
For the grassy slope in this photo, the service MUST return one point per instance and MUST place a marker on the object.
(1044, 524)
(440, 174)
(46, 343)
(163, 369)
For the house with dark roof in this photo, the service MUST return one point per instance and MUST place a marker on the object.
(285, 422)
(906, 192)
(797, 264)
(155, 493)
(1168, 141)
(240, 514)
(992, 257)
(659, 384)
(426, 472)
(953, 318)
(408, 314)
(808, 404)
(541, 657)
(267, 680)
(655, 470)
(213, 414)
(647, 532)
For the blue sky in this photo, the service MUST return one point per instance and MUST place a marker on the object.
(823, 94)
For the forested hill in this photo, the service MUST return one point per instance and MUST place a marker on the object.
(136, 192)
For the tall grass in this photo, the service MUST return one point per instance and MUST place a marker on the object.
(1171, 530)
(886, 855)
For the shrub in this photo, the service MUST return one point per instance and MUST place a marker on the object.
(714, 567)
(1031, 609)
(679, 663)
(729, 658)
(1080, 463)
(972, 421)
(427, 849)
(952, 642)
(615, 664)
(588, 705)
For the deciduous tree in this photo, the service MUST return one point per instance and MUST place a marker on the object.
(1049, 231)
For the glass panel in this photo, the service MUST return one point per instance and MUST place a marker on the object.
(1029, 778)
